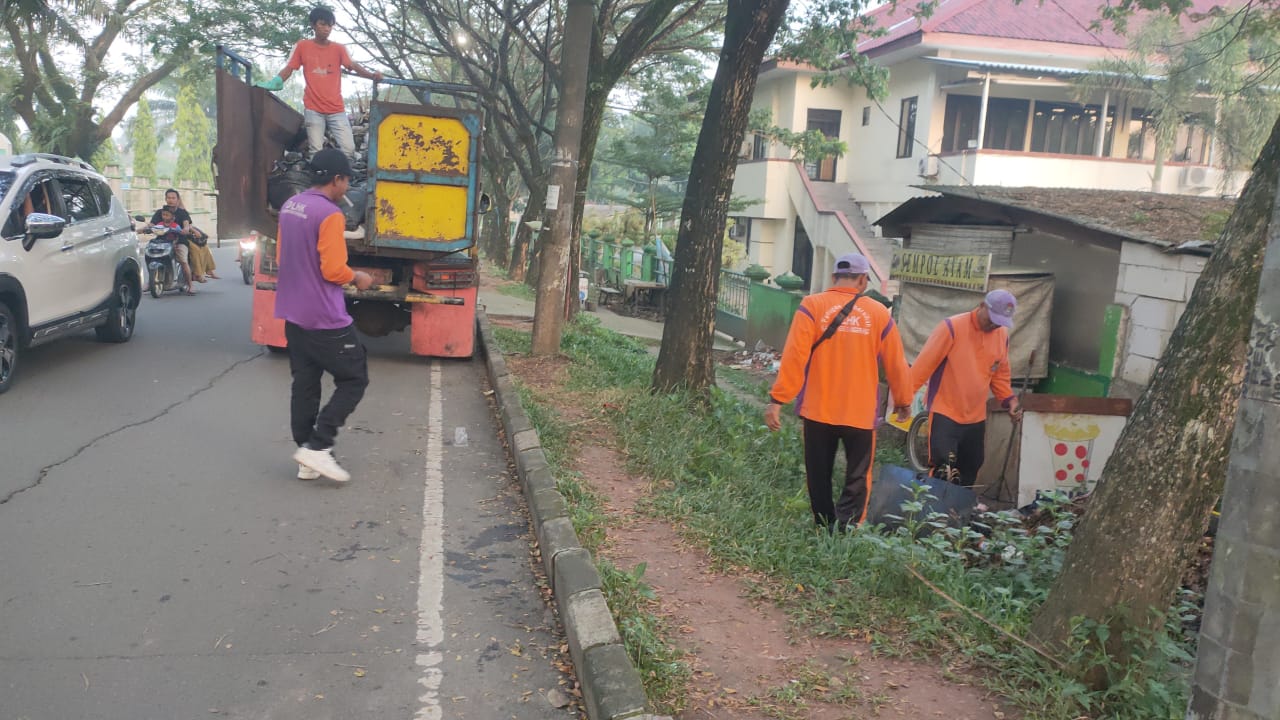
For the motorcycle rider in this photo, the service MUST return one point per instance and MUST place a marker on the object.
(174, 234)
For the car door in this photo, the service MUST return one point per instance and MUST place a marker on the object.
(49, 267)
(85, 240)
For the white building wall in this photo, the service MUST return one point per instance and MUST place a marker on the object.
(876, 175)
(1155, 287)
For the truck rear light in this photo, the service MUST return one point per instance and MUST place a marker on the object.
(450, 278)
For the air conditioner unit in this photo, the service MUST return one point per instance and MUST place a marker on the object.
(1196, 176)
(928, 166)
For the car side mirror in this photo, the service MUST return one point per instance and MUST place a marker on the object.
(41, 226)
(485, 204)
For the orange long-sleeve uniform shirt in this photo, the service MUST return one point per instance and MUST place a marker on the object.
(838, 383)
(962, 363)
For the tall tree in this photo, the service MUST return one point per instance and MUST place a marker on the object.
(684, 360)
(143, 140)
(494, 46)
(1167, 469)
(548, 312)
(195, 139)
(61, 47)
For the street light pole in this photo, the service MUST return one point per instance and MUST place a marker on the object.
(553, 280)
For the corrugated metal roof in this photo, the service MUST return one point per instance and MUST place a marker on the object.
(1008, 67)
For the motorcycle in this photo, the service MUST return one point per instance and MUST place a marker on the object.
(166, 272)
(248, 250)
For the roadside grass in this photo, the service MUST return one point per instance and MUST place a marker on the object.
(517, 290)
(737, 489)
(645, 635)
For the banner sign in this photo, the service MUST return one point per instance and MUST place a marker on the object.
(963, 272)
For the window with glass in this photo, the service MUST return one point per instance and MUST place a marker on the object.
(826, 122)
(1069, 128)
(759, 147)
(1190, 144)
(1006, 123)
(78, 199)
(907, 127)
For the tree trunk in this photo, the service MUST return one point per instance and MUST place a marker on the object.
(549, 308)
(684, 359)
(518, 267)
(1236, 665)
(1160, 483)
(592, 121)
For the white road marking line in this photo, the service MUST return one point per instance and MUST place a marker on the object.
(431, 560)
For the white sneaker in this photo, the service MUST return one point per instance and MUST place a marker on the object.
(322, 462)
(306, 473)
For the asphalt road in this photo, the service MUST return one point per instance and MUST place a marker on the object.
(159, 561)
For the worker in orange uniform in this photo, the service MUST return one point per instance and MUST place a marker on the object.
(965, 358)
(837, 340)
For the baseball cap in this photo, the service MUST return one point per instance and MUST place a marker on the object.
(328, 164)
(1000, 306)
(851, 264)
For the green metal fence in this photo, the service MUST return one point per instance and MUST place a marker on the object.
(732, 303)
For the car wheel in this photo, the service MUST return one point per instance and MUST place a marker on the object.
(122, 313)
(10, 346)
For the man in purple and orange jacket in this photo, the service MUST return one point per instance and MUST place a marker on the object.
(312, 255)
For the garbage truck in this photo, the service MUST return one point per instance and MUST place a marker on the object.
(411, 220)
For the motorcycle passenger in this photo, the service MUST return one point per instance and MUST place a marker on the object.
(174, 233)
(199, 255)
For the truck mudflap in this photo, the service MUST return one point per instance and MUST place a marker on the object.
(444, 329)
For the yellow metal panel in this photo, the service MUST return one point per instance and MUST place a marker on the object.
(421, 212)
(440, 146)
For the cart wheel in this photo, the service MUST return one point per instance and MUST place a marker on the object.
(918, 442)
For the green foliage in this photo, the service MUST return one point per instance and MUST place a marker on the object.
(661, 666)
(1216, 79)
(73, 97)
(106, 154)
(738, 490)
(808, 145)
(195, 139)
(144, 142)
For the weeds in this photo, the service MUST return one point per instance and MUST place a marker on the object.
(738, 490)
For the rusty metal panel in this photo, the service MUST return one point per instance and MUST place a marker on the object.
(250, 141)
(424, 163)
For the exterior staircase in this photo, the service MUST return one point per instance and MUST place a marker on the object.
(835, 197)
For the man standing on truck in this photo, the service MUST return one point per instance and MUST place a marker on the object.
(965, 358)
(321, 61)
(837, 342)
(312, 257)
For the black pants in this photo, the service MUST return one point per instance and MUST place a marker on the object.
(312, 353)
(966, 442)
(820, 443)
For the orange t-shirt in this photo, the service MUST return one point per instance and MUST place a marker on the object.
(838, 384)
(962, 363)
(322, 69)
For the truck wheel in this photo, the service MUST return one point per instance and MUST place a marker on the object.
(10, 346)
(122, 313)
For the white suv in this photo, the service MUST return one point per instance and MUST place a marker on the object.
(69, 259)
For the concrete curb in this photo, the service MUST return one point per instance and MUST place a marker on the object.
(611, 686)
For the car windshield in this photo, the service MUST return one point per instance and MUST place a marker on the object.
(6, 179)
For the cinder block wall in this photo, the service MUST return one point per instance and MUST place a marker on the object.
(142, 196)
(1154, 286)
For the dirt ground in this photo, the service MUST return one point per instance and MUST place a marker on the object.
(749, 661)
